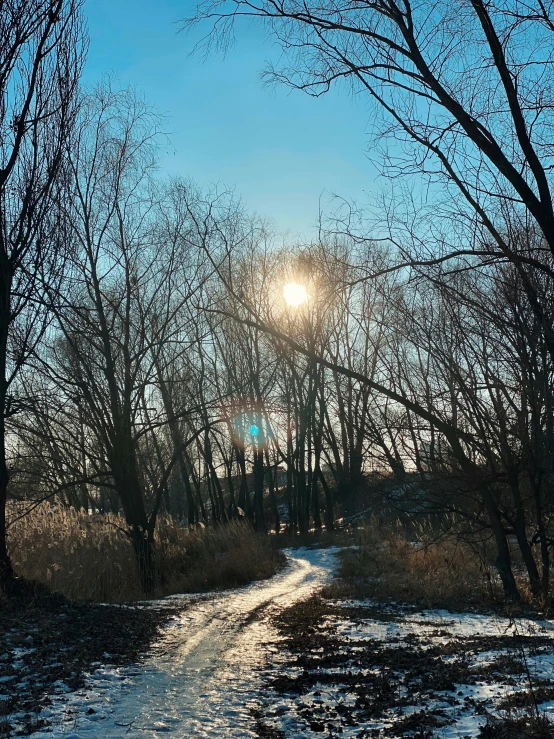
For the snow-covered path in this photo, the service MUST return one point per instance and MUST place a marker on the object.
(202, 678)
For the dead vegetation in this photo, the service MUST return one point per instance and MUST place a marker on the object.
(48, 644)
(339, 673)
(88, 557)
(521, 727)
(389, 563)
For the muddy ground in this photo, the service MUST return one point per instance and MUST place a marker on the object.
(364, 670)
(348, 669)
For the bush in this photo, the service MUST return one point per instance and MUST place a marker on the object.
(89, 557)
(222, 557)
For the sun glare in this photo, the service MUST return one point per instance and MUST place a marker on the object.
(295, 294)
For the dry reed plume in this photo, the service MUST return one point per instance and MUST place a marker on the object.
(88, 557)
(389, 564)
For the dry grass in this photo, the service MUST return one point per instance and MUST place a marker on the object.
(88, 557)
(521, 727)
(387, 565)
(206, 559)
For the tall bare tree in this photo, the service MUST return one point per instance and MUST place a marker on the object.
(42, 48)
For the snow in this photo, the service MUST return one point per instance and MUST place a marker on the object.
(429, 623)
(208, 672)
(427, 629)
(203, 677)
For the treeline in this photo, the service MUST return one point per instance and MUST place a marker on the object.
(152, 362)
(174, 376)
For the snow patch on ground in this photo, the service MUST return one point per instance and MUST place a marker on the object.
(212, 670)
(500, 658)
(203, 677)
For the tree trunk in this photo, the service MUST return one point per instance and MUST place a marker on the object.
(503, 562)
(124, 471)
(143, 547)
(315, 496)
(329, 512)
(290, 480)
(195, 486)
(272, 497)
(543, 541)
(520, 529)
(527, 555)
(259, 517)
(232, 508)
(177, 440)
(192, 508)
(244, 495)
(6, 571)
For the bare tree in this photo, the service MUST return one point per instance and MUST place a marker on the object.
(127, 286)
(42, 47)
(466, 98)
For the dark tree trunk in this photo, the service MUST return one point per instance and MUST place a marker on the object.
(542, 536)
(290, 480)
(272, 473)
(545, 554)
(301, 496)
(6, 571)
(192, 508)
(213, 503)
(177, 440)
(315, 496)
(232, 508)
(527, 555)
(124, 471)
(520, 528)
(302, 499)
(503, 562)
(143, 547)
(214, 482)
(259, 516)
(244, 495)
(195, 487)
(329, 512)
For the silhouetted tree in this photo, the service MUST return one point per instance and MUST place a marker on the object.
(42, 48)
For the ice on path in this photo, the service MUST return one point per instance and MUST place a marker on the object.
(203, 677)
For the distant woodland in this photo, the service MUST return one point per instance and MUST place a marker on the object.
(164, 352)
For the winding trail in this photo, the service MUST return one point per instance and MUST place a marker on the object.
(202, 677)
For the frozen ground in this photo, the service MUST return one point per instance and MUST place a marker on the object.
(202, 678)
(275, 660)
(361, 669)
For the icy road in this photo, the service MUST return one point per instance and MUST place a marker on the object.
(202, 677)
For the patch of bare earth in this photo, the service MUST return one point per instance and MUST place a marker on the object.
(364, 670)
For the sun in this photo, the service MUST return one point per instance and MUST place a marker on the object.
(295, 294)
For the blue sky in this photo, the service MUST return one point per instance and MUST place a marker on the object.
(280, 149)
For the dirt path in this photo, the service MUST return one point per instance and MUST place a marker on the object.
(202, 677)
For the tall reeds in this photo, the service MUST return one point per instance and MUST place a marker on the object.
(89, 557)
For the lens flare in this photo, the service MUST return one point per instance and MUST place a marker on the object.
(295, 294)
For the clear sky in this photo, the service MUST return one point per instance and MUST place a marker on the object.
(280, 149)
